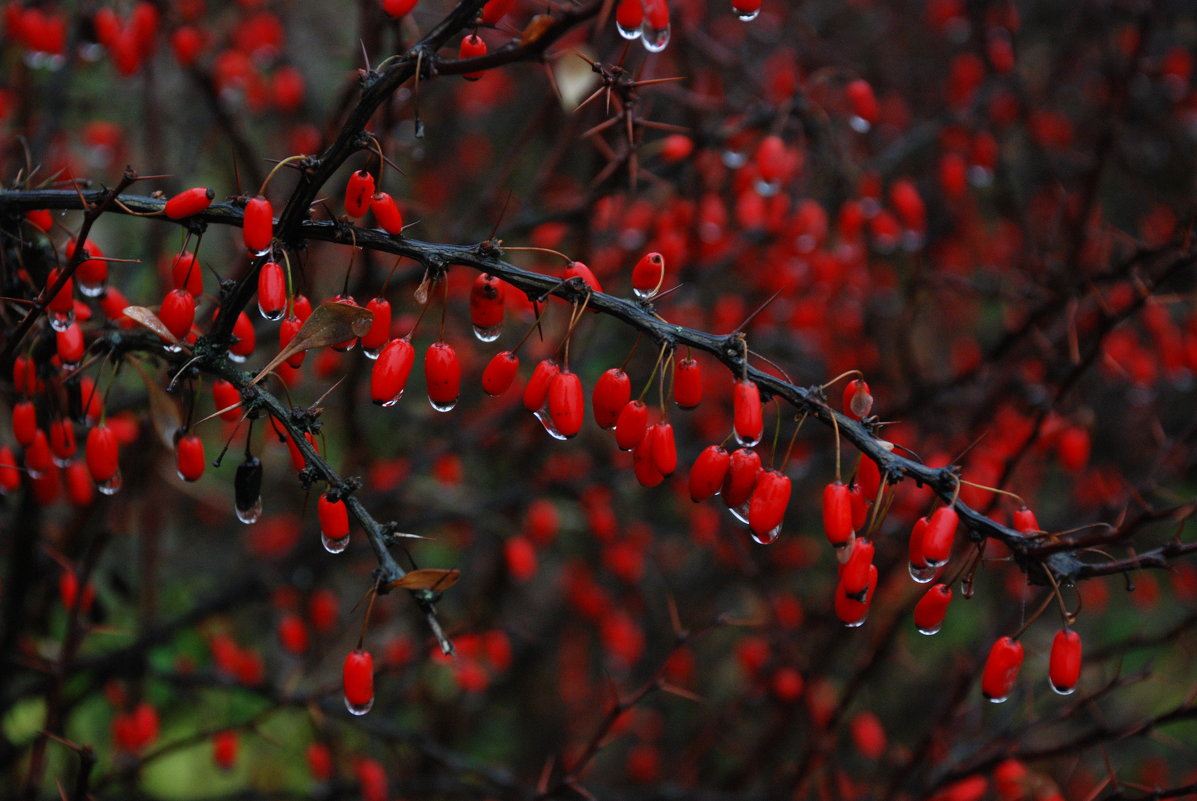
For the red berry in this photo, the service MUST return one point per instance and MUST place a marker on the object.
(472, 46)
(186, 273)
(854, 573)
(101, 451)
(391, 370)
(1001, 669)
(287, 330)
(358, 192)
(631, 426)
(644, 466)
(851, 609)
(40, 219)
(520, 557)
(931, 609)
(500, 373)
(62, 441)
(1064, 668)
(708, 473)
(687, 384)
(1025, 522)
(443, 376)
(357, 678)
(1073, 447)
(293, 634)
(629, 14)
(380, 327)
(189, 202)
(744, 466)
(334, 519)
(80, 488)
(580, 270)
(70, 345)
(611, 393)
(225, 395)
(64, 299)
(837, 514)
(767, 505)
(386, 213)
(862, 101)
(320, 761)
(177, 313)
(189, 451)
(24, 422)
(257, 224)
(648, 275)
(567, 406)
(495, 10)
(398, 8)
(536, 391)
(224, 749)
(10, 475)
(749, 423)
(244, 338)
(857, 400)
(39, 461)
(486, 307)
(92, 271)
(664, 448)
(939, 536)
(272, 291)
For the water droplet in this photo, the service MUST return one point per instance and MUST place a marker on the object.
(966, 587)
(62, 320)
(745, 442)
(1061, 690)
(644, 294)
(61, 462)
(443, 407)
(931, 631)
(336, 546)
(746, 16)
(233, 357)
(355, 709)
(421, 294)
(627, 33)
(89, 289)
(859, 124)
(372, 353)
(112, 486)
(980, 176)
(33, 472)
(550, 427)
(921, 573)
(855, 624)
(1001, 700)
(71, 365)
(654, 39)
(273, 315)
(392, 401)
(260, 253)
(734, 159)
(250, 514)
(740, 512)
(488, 334)
(768, 538)
(766, 188)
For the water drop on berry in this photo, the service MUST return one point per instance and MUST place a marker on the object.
(768, 538)
(654, 39)
(921, 573)
(112, 486)
(488, 334)
(338, 545)
(61, 320)
(250, 514)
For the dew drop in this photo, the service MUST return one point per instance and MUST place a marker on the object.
(859, 124)
(967, 587)
(734, 159)
(60, 462)
(627, 33)
(748, 16)
(392, 401)
(112, 486)
(654, 39)
(489, 334)
(1061, 690)
(70, 365)
(443, 407)
(980, 176)
(33, 472)
(550, 428)
(768, 538)
(855, 624)
(921, 573)
(1000, 700)
(260, 253)
(930, 632)
(644, 294)
(372, 353)
(740, 512)
(359, 709)
(233, 357)
(273, 315)
(62, 320)
(766, 188)
(90, 290)
(336, 546)
(746, 442)
(250, 514)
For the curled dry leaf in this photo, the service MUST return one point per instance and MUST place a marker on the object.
(329, 323)
(427, 579)
(143, 316)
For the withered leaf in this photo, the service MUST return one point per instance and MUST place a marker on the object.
(329, 323)
(428, 579)
(145, 317)
(164, 410)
